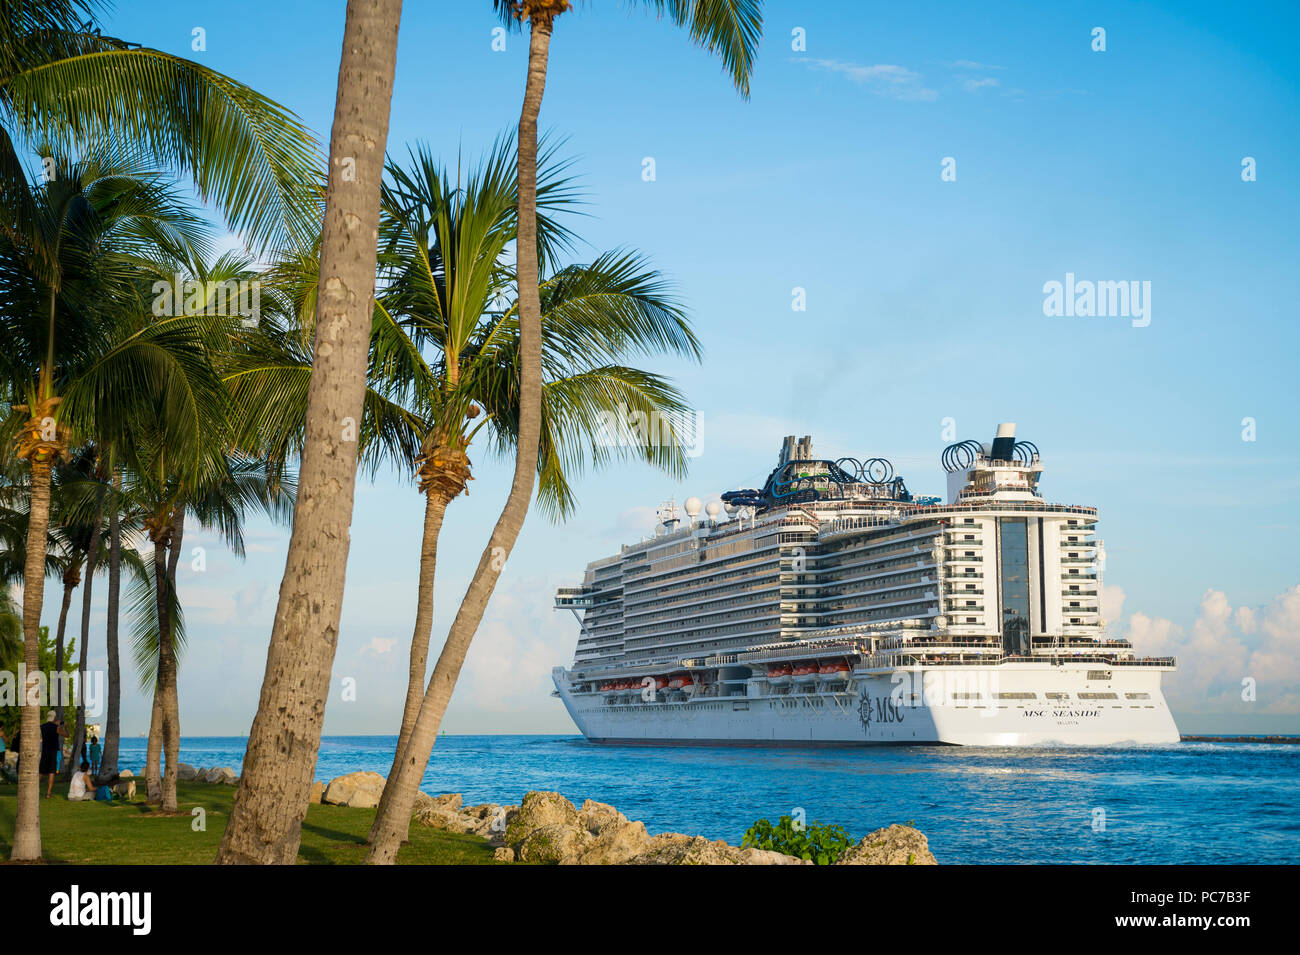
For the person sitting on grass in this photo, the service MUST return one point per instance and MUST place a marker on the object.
(83, 788)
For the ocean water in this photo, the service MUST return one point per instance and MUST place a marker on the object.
(1193, 803)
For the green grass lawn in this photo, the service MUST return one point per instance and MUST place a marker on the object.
(96, 833)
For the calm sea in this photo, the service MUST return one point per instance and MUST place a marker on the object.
(1200, 803)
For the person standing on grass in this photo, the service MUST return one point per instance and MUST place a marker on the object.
(52, 736)
(95, 751)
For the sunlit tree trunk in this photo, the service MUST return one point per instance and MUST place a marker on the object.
(393, 822)
(280, 759)
(153, 751)
(79, 734)
(112, 718)
(167, 670)
(27, 823)
(435, 508)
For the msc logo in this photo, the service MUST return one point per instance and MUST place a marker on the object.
(881, 709)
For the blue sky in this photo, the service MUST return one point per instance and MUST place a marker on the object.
(924, 302)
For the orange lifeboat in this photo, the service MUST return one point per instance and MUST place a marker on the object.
(779, 675)
(804, 672)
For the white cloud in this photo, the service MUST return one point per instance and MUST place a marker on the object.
(378, 646)
(1112, 601)
(508, 668)
(882, 79)
(1225, 646)
(972, 65)
(974, 85)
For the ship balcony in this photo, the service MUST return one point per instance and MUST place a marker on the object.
(1066, 641)
(572, 602)
(962, 560)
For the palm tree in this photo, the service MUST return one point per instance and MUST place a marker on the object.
(730, 28)
(217, 495)
(264, 825)
(95, 228)
(449, 268)
(112, 715)
(64, 84)
(75, 536)
(96, 553)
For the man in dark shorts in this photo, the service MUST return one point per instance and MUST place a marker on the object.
(52, 735)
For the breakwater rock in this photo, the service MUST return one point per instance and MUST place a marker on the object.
(358, 790)
(546, 827)
(222, 775)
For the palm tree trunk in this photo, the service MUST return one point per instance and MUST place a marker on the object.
(79, 734)
(113, 719)
(435, 507)
(70, 580)
(153, 752)
(393, 822)
(171, 723)
(280, 759)
(164, 686)
(27, 823)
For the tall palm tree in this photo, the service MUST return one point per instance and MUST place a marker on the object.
(96, 554)
(113, 713)
(449, 270)
(75, 536)
(101, 223)
(265, 823)
(82, 525)
(730, 28)
(217, 497)
(64, 85)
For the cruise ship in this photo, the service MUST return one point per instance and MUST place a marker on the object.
(832, 607)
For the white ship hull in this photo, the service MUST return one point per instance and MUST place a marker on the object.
(965, 705)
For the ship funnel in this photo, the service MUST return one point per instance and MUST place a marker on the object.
(1005, 442)
(792, 450)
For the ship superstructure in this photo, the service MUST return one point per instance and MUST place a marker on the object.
(831, 606)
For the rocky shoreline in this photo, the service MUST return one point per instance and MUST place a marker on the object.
(547, 828)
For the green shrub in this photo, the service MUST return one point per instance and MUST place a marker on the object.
(818, 844)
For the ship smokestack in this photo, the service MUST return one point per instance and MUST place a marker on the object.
(1004, 443)
(792, 450)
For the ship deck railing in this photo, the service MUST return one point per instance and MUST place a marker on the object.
(1036, 506)
(891, 660)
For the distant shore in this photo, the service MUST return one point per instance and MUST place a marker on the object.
(1242, 739)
